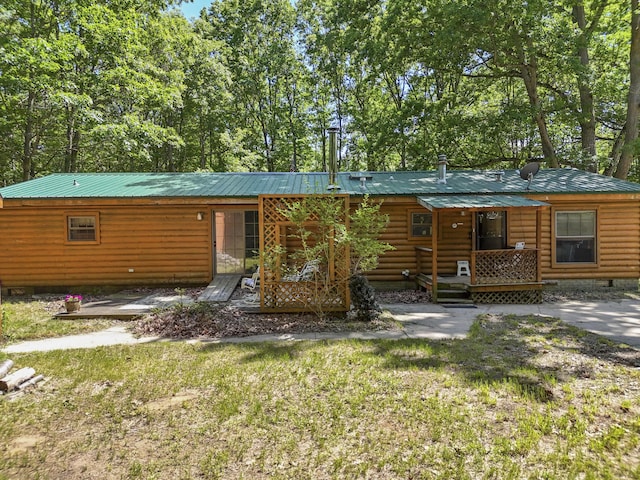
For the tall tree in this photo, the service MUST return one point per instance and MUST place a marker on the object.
(261, 57)
(629, 148)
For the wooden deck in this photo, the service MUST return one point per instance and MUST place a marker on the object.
(220, 289)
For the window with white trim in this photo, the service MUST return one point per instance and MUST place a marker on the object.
(82, 228)
(576, 236)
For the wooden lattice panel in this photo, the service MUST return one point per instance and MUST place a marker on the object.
(304, 297)
(506, 266)
(511, 297)
(330, 292)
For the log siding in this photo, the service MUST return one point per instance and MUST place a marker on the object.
(164, 243)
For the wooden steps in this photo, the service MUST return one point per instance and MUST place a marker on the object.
(452, 290)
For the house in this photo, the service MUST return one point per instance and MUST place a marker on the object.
(155, 229)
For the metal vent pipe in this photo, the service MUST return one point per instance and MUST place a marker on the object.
(333, 157)
(442, 168)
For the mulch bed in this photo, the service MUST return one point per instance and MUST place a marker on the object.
(213, 320)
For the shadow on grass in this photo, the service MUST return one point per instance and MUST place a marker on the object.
(275, 351)
(531, 353)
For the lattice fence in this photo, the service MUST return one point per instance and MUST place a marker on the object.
(506, 266)
(328, 288)
(512, 297)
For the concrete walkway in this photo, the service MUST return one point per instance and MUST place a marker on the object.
(617, 320)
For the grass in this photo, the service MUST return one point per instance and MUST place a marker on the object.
(521, 397)
(33, 319)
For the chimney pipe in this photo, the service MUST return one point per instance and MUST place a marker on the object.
(442, 168)
(333, 158)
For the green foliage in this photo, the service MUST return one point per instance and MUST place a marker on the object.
(131, 86)
(320, 226)
(365, 227)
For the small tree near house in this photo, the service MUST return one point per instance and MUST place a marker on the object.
(318, 234)
(366, 225)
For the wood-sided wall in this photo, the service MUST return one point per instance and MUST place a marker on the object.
(139, 243)
(164, 243)
(618, 237)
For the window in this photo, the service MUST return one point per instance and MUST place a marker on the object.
(576, 237)
(251, 240)
(421, 224)
(82, 228)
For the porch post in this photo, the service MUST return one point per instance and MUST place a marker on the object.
(474, 222)
(434, 260)
(538, 244)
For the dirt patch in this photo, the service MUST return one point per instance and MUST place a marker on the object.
(24, 443)
(174, 401)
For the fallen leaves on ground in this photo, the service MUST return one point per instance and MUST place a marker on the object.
(214, 320)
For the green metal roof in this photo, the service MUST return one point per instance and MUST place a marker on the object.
(477, 201)
(459, 182)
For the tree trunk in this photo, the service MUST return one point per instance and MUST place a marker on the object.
(73, 142)
(616, 152)
(27, 151)
(529, 74)
(633, 98)
(587, 117)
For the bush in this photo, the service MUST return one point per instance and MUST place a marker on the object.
(363, 298)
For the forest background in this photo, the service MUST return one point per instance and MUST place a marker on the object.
(254, 85)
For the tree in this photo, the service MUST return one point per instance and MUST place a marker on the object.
(629, 147)
(319, 235)
(266, 84)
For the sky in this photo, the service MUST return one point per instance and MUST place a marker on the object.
(192, 9)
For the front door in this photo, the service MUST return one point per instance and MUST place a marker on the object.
(236, 241)
(491, 228)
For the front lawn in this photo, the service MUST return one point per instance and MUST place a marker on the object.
(31, 319)
(521, 397)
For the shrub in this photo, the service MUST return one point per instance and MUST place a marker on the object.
(363, 297)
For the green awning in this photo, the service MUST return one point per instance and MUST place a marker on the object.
(478, 202)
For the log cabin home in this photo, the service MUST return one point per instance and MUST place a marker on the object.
(493, 237)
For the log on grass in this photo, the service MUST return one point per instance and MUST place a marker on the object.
(5, 367)
(31, 382)
(10, 382)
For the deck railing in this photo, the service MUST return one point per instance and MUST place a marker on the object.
(491, 267)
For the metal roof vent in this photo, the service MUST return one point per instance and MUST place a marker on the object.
(499, 175)
(333, 159)
(360, 176)
(442, 169)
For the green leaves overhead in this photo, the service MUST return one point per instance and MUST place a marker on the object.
(254, 85)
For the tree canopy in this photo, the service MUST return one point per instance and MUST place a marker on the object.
(131, 85)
